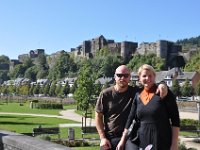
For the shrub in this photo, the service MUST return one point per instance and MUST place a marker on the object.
(49, 106)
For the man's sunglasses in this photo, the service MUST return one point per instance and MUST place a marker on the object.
(122, 75)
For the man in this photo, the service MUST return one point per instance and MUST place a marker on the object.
(113, 107)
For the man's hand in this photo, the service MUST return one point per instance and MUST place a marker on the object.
(105, 144)
(162, 89)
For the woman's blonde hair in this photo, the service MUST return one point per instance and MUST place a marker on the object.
(146, 67)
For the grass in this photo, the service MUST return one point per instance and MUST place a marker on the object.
(25, 124)
(86, 148)
(17, 108)
(188, 134)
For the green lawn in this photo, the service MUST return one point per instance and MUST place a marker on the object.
(25, 124)
(86, 148)
(15, 107)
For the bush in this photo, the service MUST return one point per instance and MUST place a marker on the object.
(188, 122)
(182, 146)
(196, 140)
(74, 143)
(49, 106)
(45, 137)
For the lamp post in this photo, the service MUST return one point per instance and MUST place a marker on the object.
(198, 107)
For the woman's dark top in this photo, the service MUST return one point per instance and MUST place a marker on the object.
(156, 118)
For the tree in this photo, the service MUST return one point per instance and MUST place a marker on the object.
(11, 89)
(106, 85)
(36, 89)
(42, 74)
(28, 62)
(52, 89)
(98, 88)
(64, 64)
(58, 89)
(46, 89)
(42, 62)
(186, 89)
(18, 71)
(74, 87)
(42, 67)
(24, 90)
(197, 89)
(64, 90)
(31, 89)
(150, 59)
(31, 73)
(193, 63)
(175, 88)
(84, 92)
(4, 89)
(4, 59)
(109, 64)
(4, 75)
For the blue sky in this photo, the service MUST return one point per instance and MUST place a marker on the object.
(56, 25)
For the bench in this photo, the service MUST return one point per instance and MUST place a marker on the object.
(190, 128)
(47, 130)
(88, 130)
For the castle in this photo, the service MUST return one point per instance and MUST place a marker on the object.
(89, 48)
(162, 48)
(167, 50)
(32, 54)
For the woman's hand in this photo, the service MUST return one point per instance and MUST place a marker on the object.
(162, 89)
(120, 145)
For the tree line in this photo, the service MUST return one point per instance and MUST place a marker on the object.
(86, 71)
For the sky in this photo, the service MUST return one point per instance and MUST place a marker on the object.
(55, 25)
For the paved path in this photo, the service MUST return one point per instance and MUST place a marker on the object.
(29, 114)
(70, 114)
(189, 142)
(64, 114)
(188, 115)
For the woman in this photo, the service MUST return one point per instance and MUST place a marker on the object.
(159, 119)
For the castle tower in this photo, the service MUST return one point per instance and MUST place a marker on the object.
(161, 49)
(128, 48)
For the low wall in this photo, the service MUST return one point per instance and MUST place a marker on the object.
(15, 141)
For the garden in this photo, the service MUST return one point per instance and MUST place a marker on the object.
(20, 118)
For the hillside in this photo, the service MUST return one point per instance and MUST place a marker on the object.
(187, 44)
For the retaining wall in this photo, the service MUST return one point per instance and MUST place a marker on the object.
(15, 141)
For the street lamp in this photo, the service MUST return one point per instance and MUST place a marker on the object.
(198, 107)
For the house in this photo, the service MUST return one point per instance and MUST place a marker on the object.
(177, 74)
(70, 81)
(42, 82)
(18, 82)
(9, 82)
(104, 80)
(173, 74)
(193, 77)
